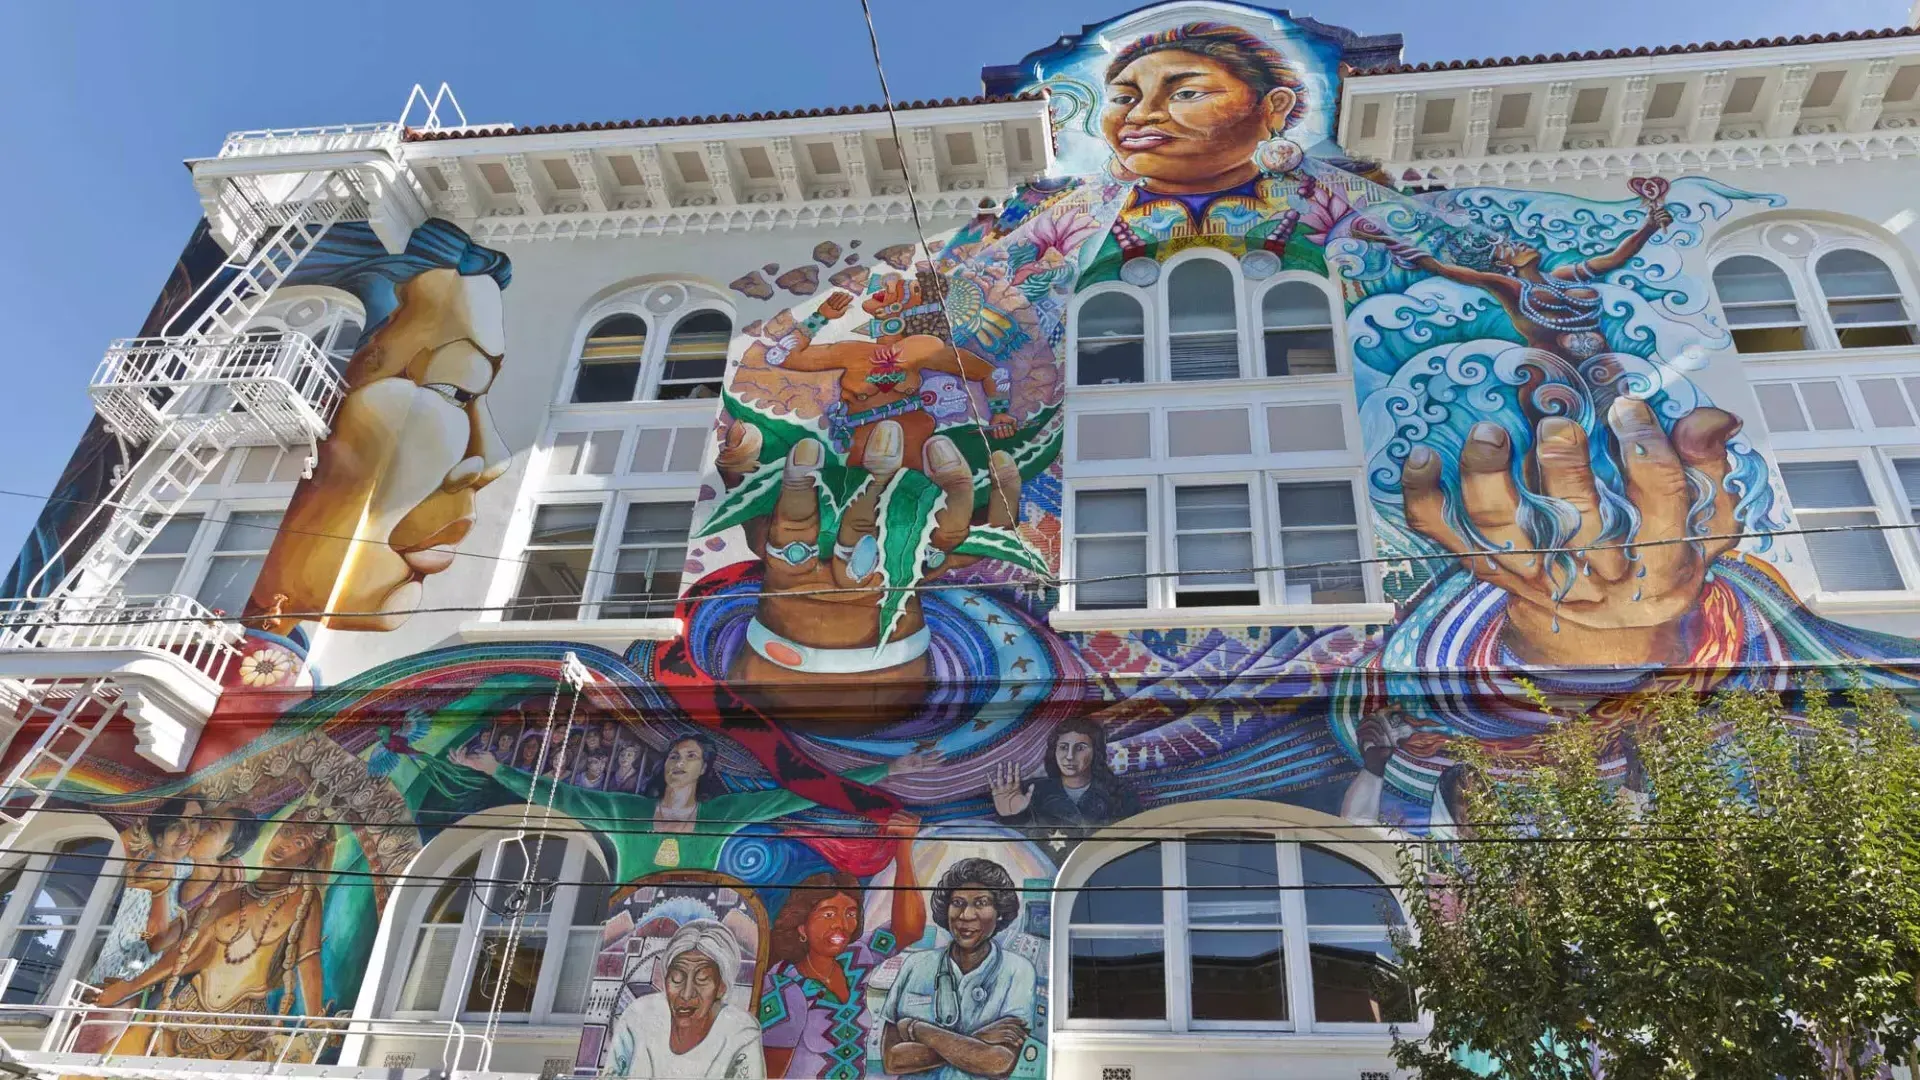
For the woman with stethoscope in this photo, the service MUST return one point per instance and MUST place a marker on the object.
(965, 1010)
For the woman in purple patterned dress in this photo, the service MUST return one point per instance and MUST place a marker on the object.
(813, 1013)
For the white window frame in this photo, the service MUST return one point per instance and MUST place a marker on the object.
(1363, 528)
(1831, 244)
(1808, 331)
(1876, 468)
(1161, 354)
(660, 328)
(1169, 538)
(612, 512)
(1256, 306)
(200, 552)
(1175, 929)
(106, 891)
(1821, 333)
(489, 847)
(1148, 302)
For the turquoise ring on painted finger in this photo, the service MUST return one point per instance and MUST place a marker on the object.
(794, 553)
(861, 559)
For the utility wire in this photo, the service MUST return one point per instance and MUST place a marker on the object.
(1030, 833)
(23, 618)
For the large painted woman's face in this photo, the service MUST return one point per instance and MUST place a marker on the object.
(1185, 123)
(412, 443)
(695, 988)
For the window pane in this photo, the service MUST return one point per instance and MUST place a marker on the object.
(1117, 977)
(450, 902)
(1299, 352)
(576, 971)
(696, 359)
(149, 576)
(1205, 356)
(1238, 975)
(522, 971)
(1110, 512)
(431, 967)
(1107, 363)
(39, 953)
(1111, 315)
(646, 583)
(1875, 337)
(1781, 406)
(1330, 903)
(1102, 557)
(176, 536)
(657, 523)
(1200, 297)
(1783, 339)
(229, 579)
(1357, 982)
(1818, 485)
(1124, 892)
(1295, 303)
(1342, 584)
(1854, 273)
(552, 584)
(1750, 279)
(1848, 312)
(1204, 557)
(1222, 506)
(1763, 315)
(1851, 561)
(610, 362)
(249, 530)
(1233, 882)
(1908, 469)
(571, 523)
(1316, 504)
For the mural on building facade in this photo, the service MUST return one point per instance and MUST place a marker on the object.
(843, 791)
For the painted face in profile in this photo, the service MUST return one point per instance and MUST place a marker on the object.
(412, 443)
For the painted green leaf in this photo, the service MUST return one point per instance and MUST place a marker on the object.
(906, 514)
(1006, 545)
(777, 433)
(753, 498)
(837, 485)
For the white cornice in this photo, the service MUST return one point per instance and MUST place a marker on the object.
(1727, 155)
(753, 217)
(1622, 66)
(627, 138)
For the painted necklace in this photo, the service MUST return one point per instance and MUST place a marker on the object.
(279, 898)
(1584, 313)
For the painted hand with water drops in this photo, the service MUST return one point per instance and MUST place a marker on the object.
(1608, 604)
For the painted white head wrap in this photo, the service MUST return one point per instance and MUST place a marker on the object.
(709, 939)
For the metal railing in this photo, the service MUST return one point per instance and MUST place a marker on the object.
(310, 140)
(287, 388)
(290, 1039)
(172, 623)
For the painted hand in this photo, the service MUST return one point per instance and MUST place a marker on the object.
(820, 604)
(1622, 606)
(901, 825)
(477, 760)
(1002, 426)
(920, 761)
(1009, 797)
(1380, 734)
(1008, 1032)
(836, 305)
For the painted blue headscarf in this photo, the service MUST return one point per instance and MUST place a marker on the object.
(351, 257)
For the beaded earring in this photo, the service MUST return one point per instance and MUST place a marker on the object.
(1278, 155)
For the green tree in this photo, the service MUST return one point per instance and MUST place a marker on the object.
(1752, 910)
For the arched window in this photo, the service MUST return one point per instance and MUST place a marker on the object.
(695, 365)
(610, 360)
(457, 930)
(1297, 326)
(1112, 334)
(1864, 300)
(1762, 311)
(1234, 930)
(52, 916)
(1203, 325)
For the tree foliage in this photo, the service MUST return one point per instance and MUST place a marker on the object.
(1752, 911)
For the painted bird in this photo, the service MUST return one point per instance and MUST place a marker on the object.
(393, 743)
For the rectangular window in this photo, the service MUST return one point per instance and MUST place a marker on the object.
(238, 555)
(1828, 494)
(1318, 524)
(1908, 471)
(1110, 540)
(157, 571)
(646, 571)
(558, 556)
(1236, 956)
(1213, 544)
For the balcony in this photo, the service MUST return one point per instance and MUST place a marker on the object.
(267, 387)
(332, 138)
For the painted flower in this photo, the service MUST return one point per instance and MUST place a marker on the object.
(1063, 230)
(267, 666)
(1326, 207)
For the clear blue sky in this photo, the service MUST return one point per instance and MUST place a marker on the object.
(101, 101)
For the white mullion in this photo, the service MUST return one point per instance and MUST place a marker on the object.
(553, 959)
(1173, 872)
(88, 922)
(1293, 920)
(603, 554)
(469, 961)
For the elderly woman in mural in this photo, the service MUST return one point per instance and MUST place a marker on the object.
(814, 1010)
(965, 1010)
(685, 802)
(255, 949)
(1079, 789)
(392, 494)
(688, 1029)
